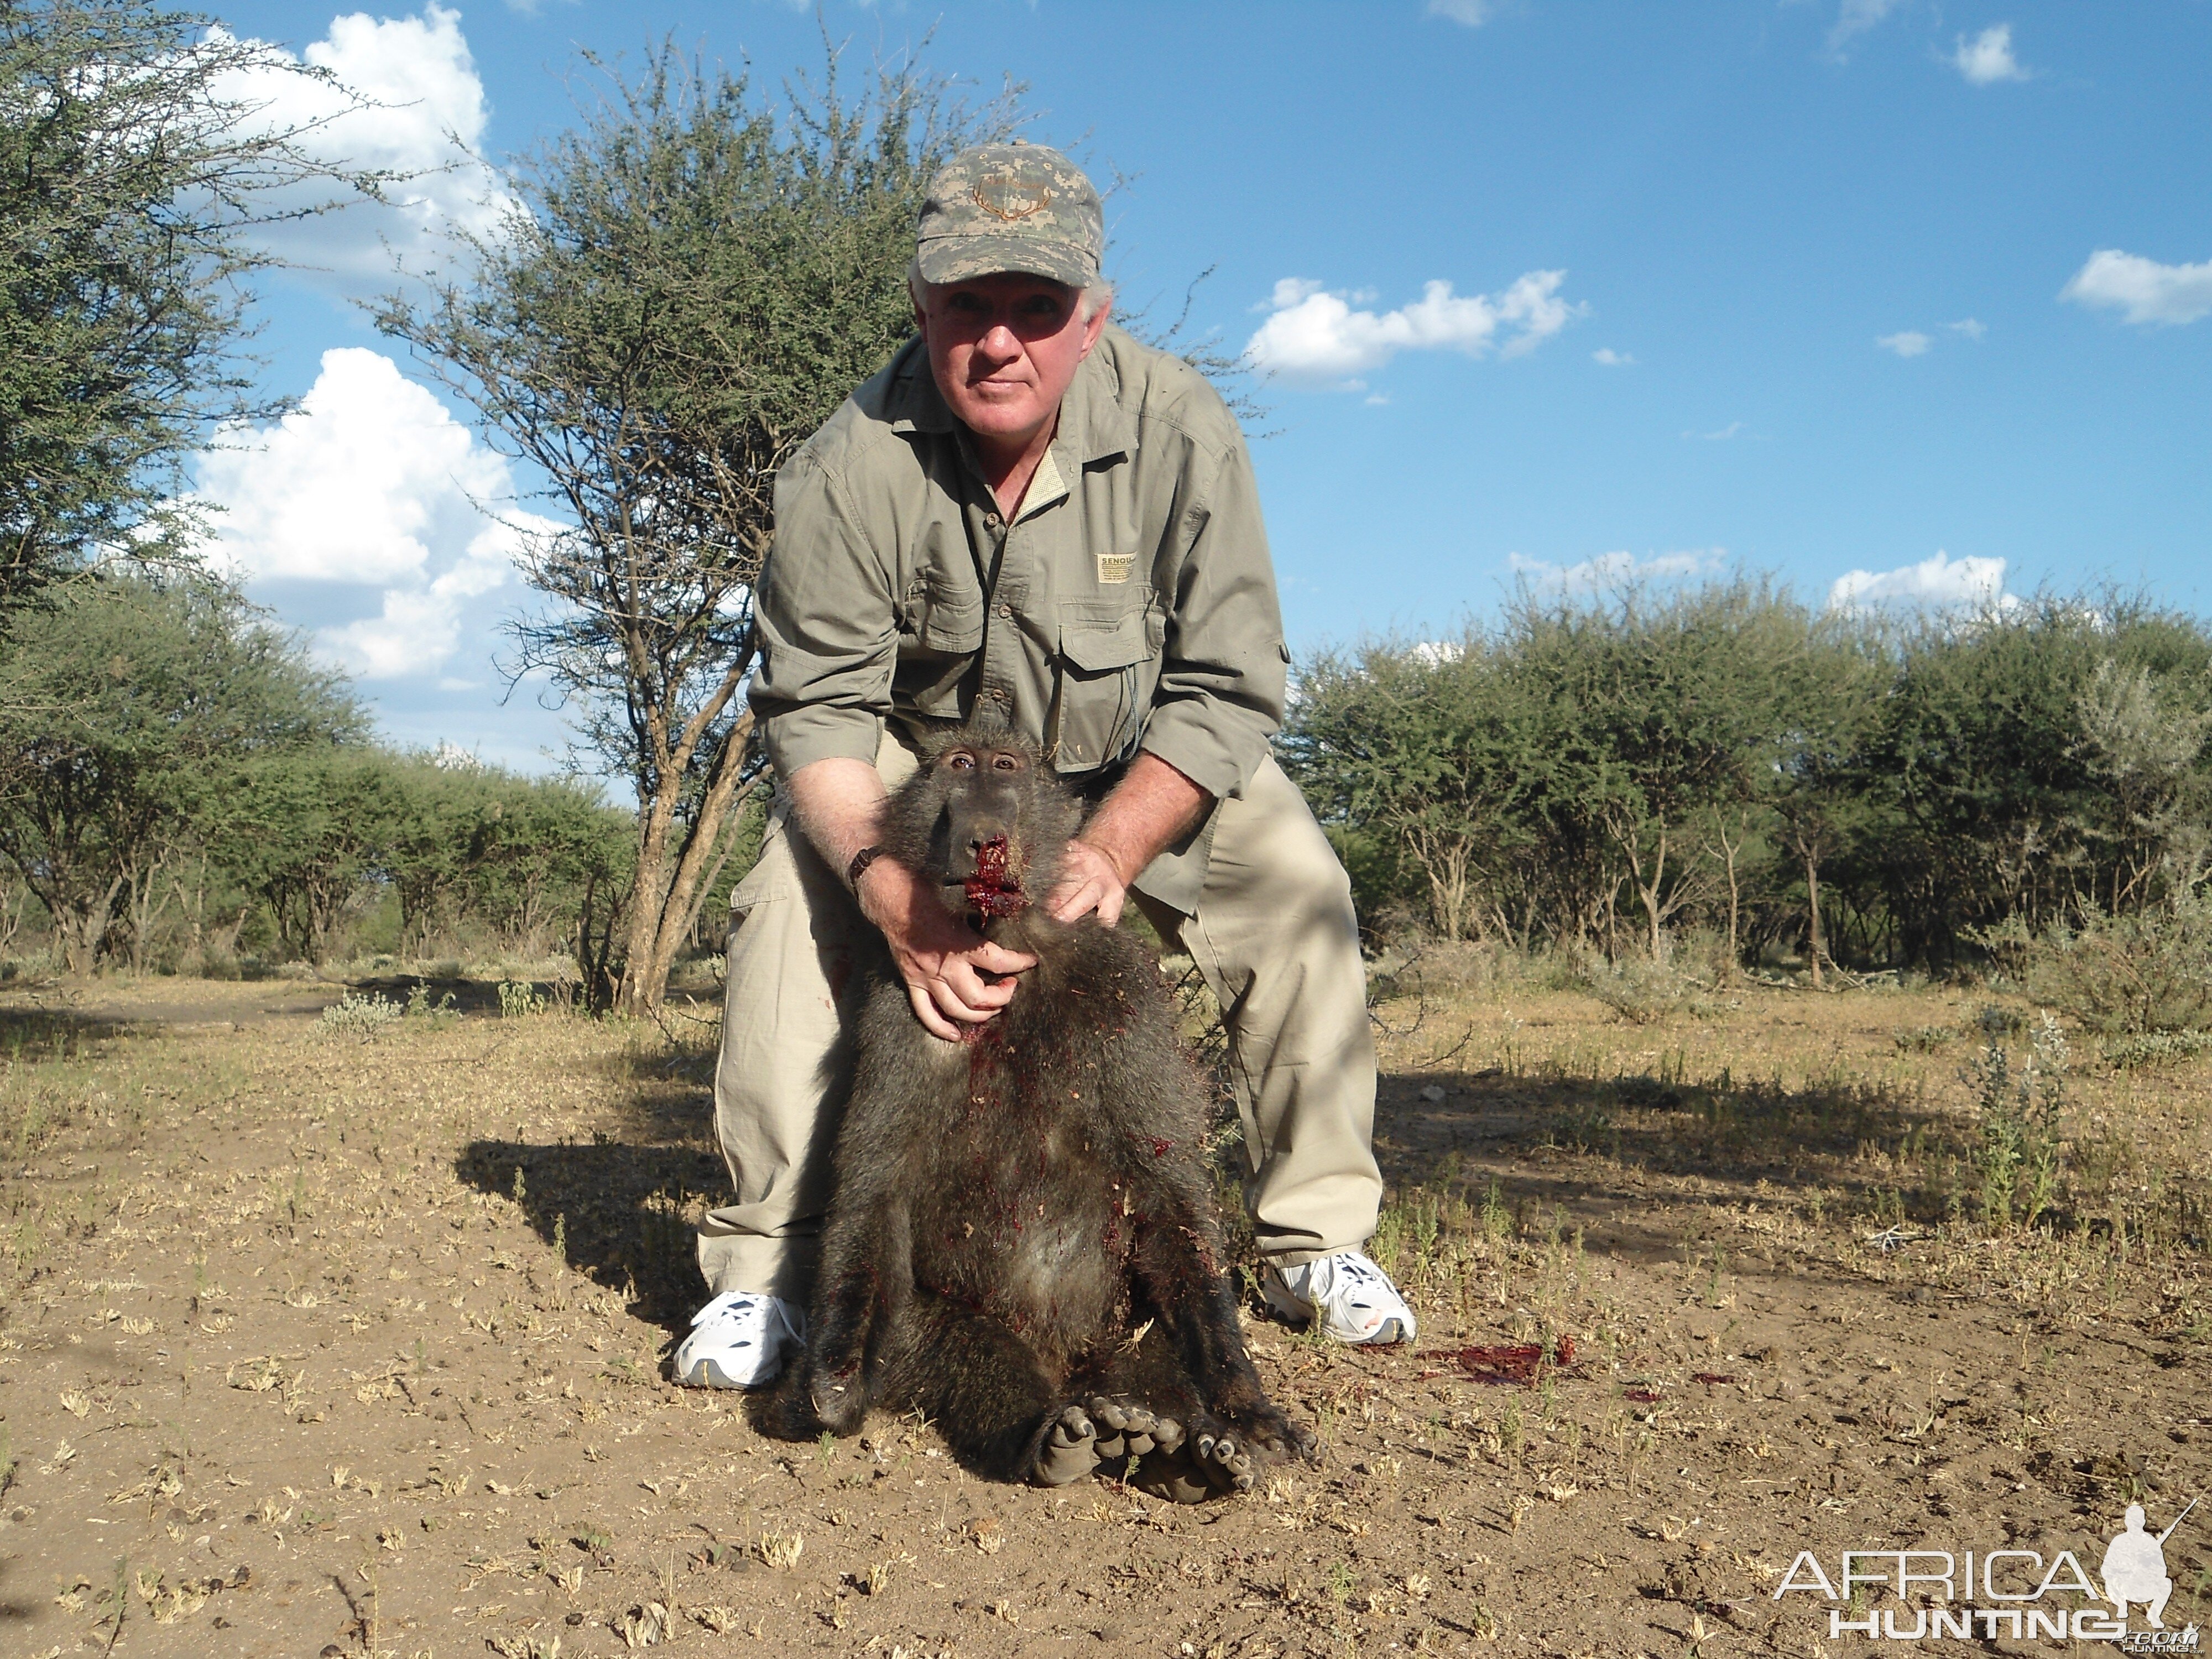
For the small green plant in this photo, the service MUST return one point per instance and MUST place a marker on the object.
(1922, 1039)
(2018, 1161)
(517, 999)
(361, 1017)
(440, 1012)
(1496, 1219)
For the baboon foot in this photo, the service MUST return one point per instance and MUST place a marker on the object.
(1069, 1450)
(1270, 1437)
(1127, 1429)
(1214, 1460)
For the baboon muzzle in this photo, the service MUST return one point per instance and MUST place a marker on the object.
(994, 890)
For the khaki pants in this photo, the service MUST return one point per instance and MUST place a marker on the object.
(1274, 933)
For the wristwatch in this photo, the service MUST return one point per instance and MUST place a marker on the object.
(859, 868)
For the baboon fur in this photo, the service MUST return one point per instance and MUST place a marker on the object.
(1021, 1239)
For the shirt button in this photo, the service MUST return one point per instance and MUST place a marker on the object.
(1005, 610)
(1000, 694)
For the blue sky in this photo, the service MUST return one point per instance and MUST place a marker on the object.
(1915, 299)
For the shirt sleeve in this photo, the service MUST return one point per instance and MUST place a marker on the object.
(829, 630)
(1221, 681)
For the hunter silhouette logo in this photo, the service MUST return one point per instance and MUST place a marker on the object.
(1985, 1594)
(2135, 1566)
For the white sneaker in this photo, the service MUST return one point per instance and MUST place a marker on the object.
(738, 1340)
(1353, 1299)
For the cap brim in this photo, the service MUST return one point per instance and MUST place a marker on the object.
(960, 259)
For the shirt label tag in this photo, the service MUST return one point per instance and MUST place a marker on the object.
(1116, 566)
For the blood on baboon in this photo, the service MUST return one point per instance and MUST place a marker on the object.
(1021, 1240)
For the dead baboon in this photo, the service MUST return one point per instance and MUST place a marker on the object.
(1021, 1240)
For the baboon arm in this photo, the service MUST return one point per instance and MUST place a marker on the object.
(865, 1277)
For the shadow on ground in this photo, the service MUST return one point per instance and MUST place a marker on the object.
(55, 1033)
(1612, 1146)
(622, 1214)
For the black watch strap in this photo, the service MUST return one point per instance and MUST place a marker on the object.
(858, 866)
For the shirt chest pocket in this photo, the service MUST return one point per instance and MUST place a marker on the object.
(1108, 668)
(942, 618)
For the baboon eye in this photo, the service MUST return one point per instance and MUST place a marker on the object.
(960, 761)
(1006, 763)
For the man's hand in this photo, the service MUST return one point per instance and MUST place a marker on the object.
(942, 959)
(839, 803)
(1150, 809)
(1090, 880)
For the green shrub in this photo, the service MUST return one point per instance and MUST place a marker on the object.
(2120, 975)
(2156, 1048)
(360, 1016)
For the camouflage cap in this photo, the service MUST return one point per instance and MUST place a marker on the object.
(1015, 207)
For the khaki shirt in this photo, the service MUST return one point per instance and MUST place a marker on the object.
(1129, 606)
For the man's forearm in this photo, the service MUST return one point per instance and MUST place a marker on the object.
(1149, 811)
(839, 803)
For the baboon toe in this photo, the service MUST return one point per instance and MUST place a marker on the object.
(1271, 1437)
(1070, 1450)
(1126, 1429)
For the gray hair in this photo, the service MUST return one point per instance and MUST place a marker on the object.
(1094, 295)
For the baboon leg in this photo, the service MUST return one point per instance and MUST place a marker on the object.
(981, 1383)
(1181, 1277)
(863, 1279)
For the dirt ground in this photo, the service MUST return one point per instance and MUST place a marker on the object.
(318, 1343)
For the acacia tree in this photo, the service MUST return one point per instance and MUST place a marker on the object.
(136, 166)
(1664, 707)
(144, 705)
(691, 283)
(1408, 738)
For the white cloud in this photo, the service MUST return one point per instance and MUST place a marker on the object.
(1611, 358)
(1315, 333)
(1939, 583)
(1720, 436)
(420, 627)
(1609, 571)
(1970, 327)
(1909, 343)
(2145, 290)
(1987, 59)
(1472, 13)
(369, 482)
(425, 115)
(1854, 18)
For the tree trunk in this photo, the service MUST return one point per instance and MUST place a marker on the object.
(1817, 946)
(664, 902)
(82, 928)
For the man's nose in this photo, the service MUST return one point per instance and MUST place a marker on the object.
(1000, 341)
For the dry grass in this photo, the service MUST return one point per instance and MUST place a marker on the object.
(317, 1335)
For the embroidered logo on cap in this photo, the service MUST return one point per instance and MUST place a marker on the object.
(1116, 566)
(1009, 196)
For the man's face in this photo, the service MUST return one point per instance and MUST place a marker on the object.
(1005, 350)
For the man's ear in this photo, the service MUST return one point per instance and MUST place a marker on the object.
(1096, 326)
(921, 316)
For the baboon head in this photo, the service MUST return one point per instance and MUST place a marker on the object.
(985, 820)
